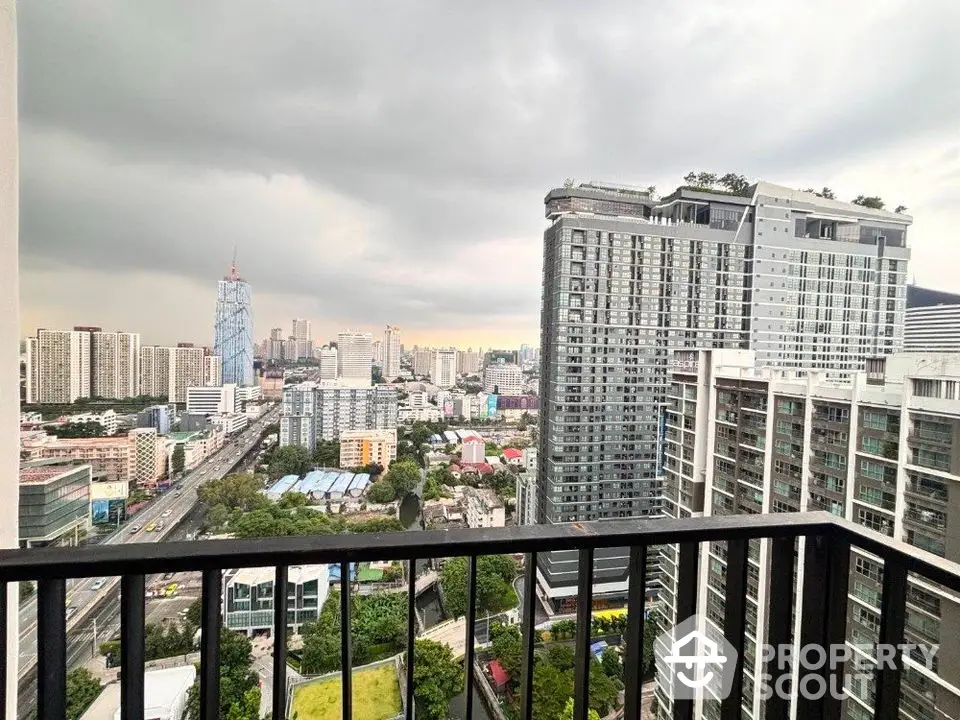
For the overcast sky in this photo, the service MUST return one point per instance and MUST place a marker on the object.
(385, 162)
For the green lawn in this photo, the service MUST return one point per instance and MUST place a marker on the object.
(376, 696)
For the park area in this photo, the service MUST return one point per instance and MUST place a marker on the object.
(376, 696)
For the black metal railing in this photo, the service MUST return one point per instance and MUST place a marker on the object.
(823, 617)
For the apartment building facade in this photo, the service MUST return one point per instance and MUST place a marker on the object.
(354, 358)
(248, 597)
(443, 371)
(328, 363)
(114, 364)
(391, 353)
(362, 447)
(312, 412)
(804, 281)
(881, 449)
(503, 379)
(932, 321)
(59, 366)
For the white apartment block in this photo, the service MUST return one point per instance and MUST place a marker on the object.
(354, 358)
(484, 508)
(328, 362)
(170, 371)
(503, 379)
(881, 448)
(32, 371)
(154, 371)
(410, 414)
(213, 372)
(391, 353)
(468, 361)
(444, 370)
(362, 447)
(313, 412)
(230, 423)
(114, 364)
(422, 361)
(62, 359)
(377, 351)
(107, 418)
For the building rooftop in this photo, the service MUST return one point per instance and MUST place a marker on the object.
(186, 436)
(43, 471)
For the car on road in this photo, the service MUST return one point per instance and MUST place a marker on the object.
(151, 527)
(135, 529)
(100, 582)
(70, 611)
(178, 493)
(166, 513)
(160, 525)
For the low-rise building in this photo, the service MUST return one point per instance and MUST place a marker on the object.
(248, 597)
(111, 456)
(484, 508)
(232, 423)
(362, 447)
(165, 693)
(156, 416)
(106, 419)
(149, 450)
(54, 502)
(472, 450)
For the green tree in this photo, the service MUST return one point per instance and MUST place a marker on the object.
(289, 460)
(603, 689)
(404, 476)
(178, 459)
(561, 656)
(194, 613)
(827, 194)
(491, 449)
(734, 183)
(382, 491)
(495, 573)
(551, 688)
(507, 647)
(239, 690)
(437, 678)
(568, 712)
(239, 492)
(431, 489)
(871, 201)
(327, 454)
(85, 429)
(612, 666)
(900, 209)
(443, 475)
(82, 689)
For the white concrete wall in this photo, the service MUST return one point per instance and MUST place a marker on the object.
(9, 324)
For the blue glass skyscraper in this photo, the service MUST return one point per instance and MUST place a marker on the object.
(233, 329)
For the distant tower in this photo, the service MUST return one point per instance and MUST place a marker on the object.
(391, 352)
(233, 328)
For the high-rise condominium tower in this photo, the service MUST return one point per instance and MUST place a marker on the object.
(354, 357)
(444, 370)
(302, 337)
(59, 363)
(391, 352)
(233, 329)
(804, 281)
(114, 364)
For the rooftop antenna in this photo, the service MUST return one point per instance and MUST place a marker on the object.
(233, 266)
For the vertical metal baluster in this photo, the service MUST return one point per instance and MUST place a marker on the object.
(132, 592)
(5, 627)
(735, 621)
(411, 634)
(686, 607)
(581, 677)
(838, 581)
(529, 636)
(779, 619)
(471, 632)
(812, 614)
(893, 615)
(636, 596)
(51, 649)
(346, 655)
(210, 646)
(280, 642)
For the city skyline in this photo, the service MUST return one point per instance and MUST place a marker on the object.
(347, 206)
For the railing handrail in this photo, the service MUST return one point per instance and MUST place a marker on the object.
(107, 560)
(153, 558)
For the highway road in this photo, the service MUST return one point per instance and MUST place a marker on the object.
(169, 509)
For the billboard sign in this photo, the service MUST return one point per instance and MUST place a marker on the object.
(107, 512)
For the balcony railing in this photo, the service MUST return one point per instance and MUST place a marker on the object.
(822, 620)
